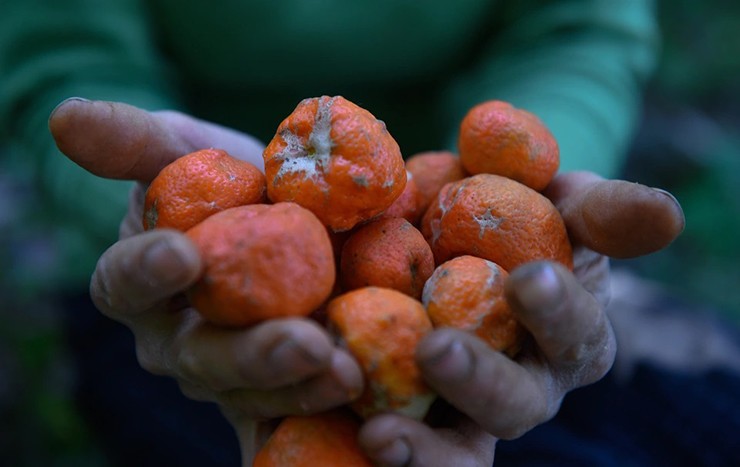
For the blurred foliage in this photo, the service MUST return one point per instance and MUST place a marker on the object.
(39, 422)
(689, 144)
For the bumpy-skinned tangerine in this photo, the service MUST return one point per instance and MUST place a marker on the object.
(198, 185)
(467, 293)
(498, 219)
(407, 204)
(335, 159)
(381, 328)
(389, 253)
(431, 170)
(327, 439)
(261, 261)
(498, 138)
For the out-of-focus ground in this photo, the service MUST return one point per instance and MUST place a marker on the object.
(688, 144)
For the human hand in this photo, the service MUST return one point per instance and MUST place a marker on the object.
(573, 344)
(280, 367)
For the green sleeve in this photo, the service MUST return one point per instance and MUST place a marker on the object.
(578, 65)
(51, 50)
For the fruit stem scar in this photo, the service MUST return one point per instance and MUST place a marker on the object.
(487, 221)
(312, 156)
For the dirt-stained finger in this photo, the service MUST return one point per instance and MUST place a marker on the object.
(394, 440)
(338, 385)
(568, 323)
(136, 273)
(501, 395)
(266, 356)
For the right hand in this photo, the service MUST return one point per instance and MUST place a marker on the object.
(273, 369)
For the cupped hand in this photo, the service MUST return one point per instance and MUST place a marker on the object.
(572, 344)
(280, 367)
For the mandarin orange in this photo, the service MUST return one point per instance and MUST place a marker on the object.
(261, 261)
(498, 219)
(381, 328)
(407, 204)
(198, 185)
(388, 253)
(335, 159)
(431, 170)
(496, 137)
(326, 439)
(467, 293)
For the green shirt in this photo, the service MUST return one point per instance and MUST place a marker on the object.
(418, 65)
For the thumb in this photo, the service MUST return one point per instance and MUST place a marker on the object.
(120, 141)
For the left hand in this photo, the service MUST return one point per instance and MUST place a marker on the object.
(495, 397)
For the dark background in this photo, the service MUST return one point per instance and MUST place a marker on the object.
(688, 144)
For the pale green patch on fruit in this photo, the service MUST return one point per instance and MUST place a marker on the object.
(151, 216)
(487, 221)
(360, 181)
(312, 157)
(418, 406)
(494, 270)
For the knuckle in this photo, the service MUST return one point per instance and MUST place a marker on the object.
(188, 363)
(150, 359)
(246, 403)
(195, 392)
(104, 287)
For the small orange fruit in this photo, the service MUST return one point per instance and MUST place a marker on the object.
(381, 328)
(431, 170)
(388, 253)
(327, 439)
(407, 204)
(198, 185)
(498, 138)
(261, 261)
(335, 159)
(467, 293)
(498, 219)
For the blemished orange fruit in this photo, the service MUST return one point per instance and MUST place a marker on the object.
(467, 293)
(498, 219)
(431, 170)
(261, 261)
(496, 137)
(381, 328)
(407, 204)
(389, 253)
(326, 439)
(198, 185)
(335, 159)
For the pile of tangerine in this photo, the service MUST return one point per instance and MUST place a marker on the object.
(381, 251)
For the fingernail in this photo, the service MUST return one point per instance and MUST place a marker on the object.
(537, 285)
(290, 351)
(65, 101)
(348, 373)
(396, 453)
(445, 357)
(666, 193)
(167, 262)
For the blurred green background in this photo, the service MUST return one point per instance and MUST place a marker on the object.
(688, 144)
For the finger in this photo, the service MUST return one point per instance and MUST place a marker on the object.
(503, 397)
(593, 271)
(567, 322)
(614, 217)
(338, 385)
(394, 440)
(116, 140)
(132, 223)
(136, 273)
(269, 355)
